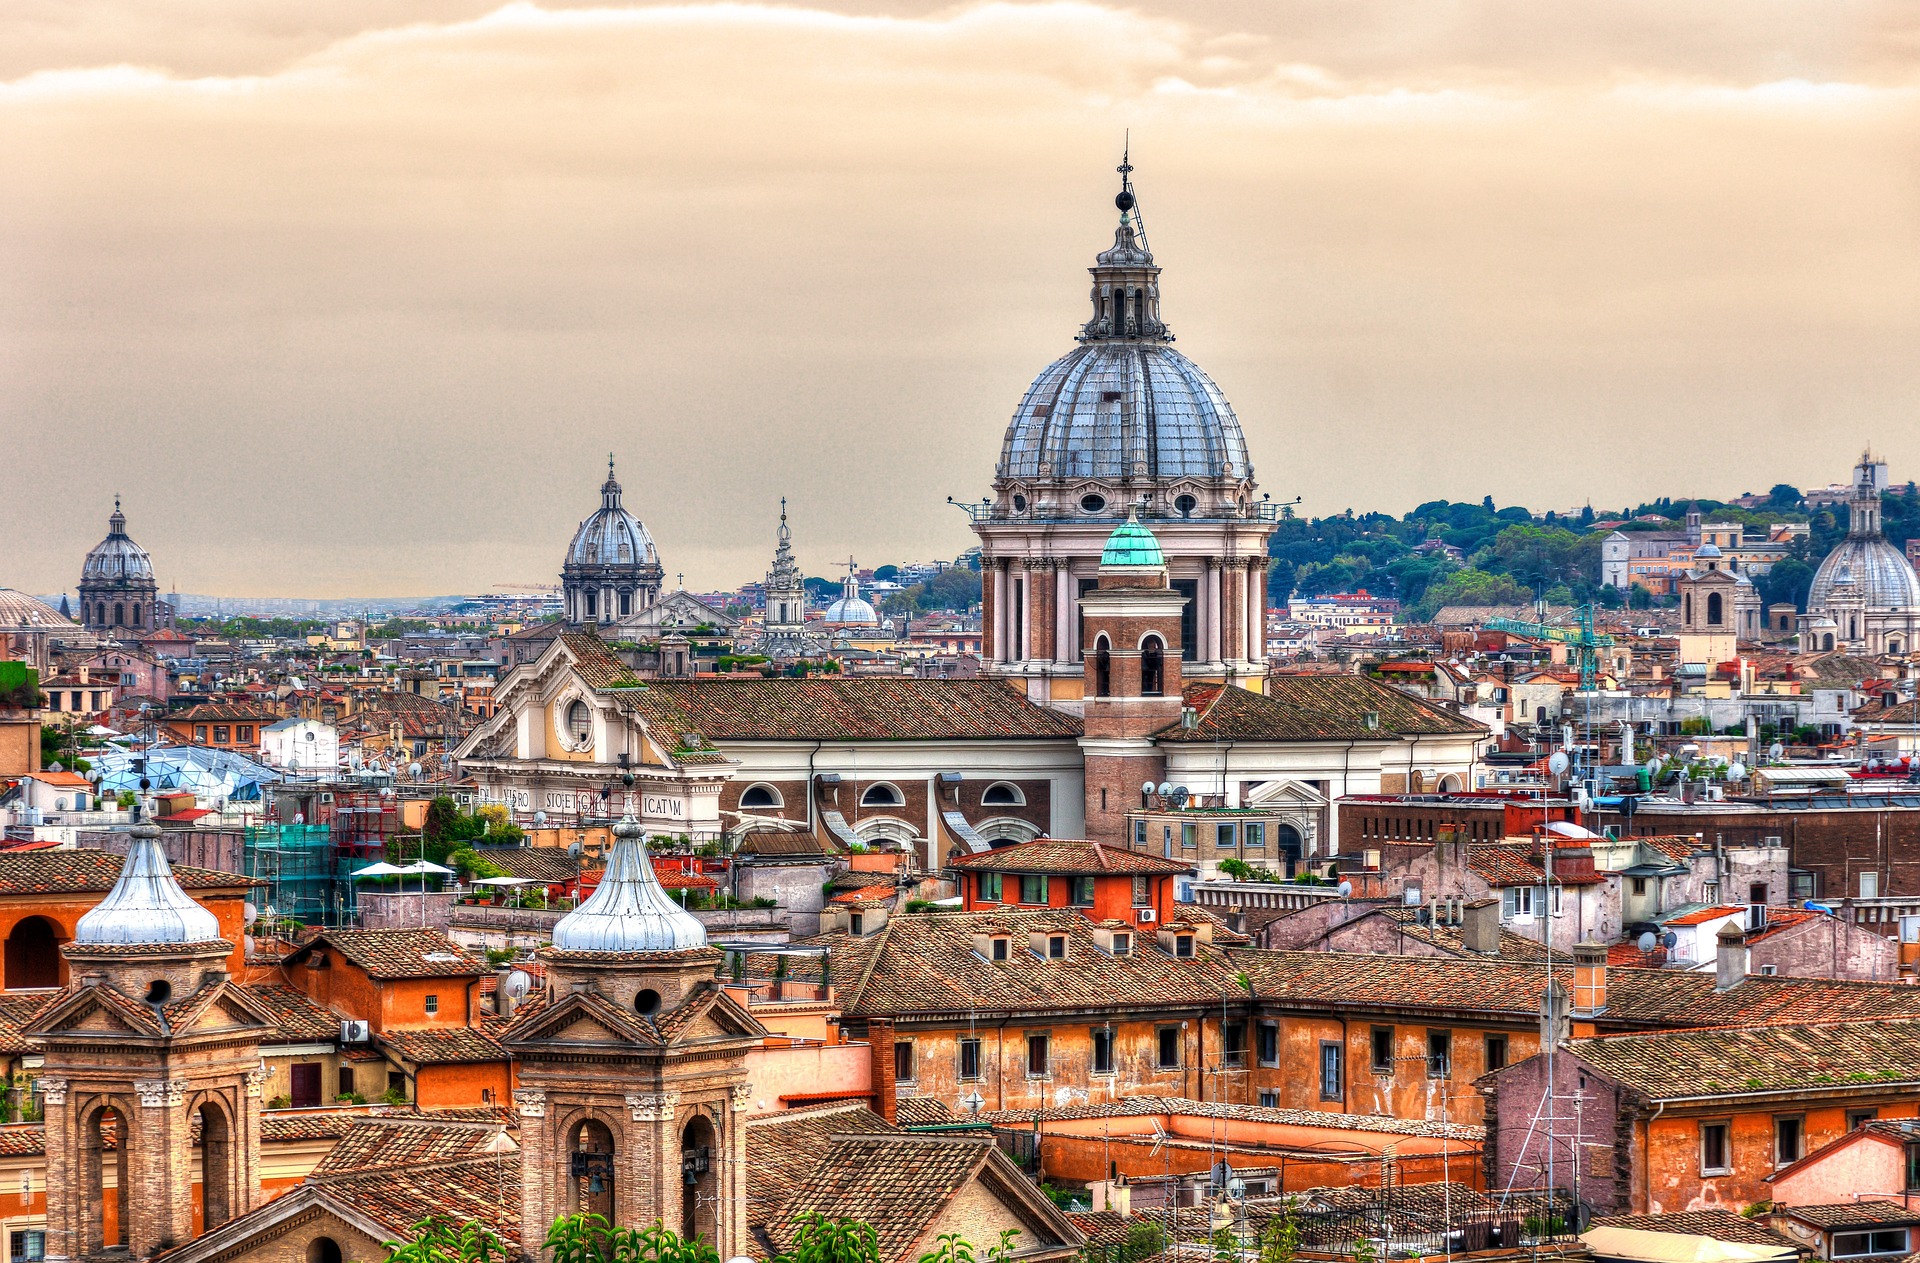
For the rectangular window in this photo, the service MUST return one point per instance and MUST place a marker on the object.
(1913, 1168)
(1382, 1038)
(1102, 1050)
(1439, 1054)
(1854, 1245)
(1639, 885)
(29, 1246)
(1716, 1154)
(1187, 836)
(903, 1060)
(1857, 1117)
(1056, 947)
(1223, 838)
(1000, 949)
(1269, 1099)
(1033, 888)
(1143, 892)
(1123, 945)
(1167, 1048)
(1083, 892)
(220, 736)
(1269, 1050)
(246, 732)
(1233, 1043)
(305, 1088)
(1183, 945)
(1139, 835)
(969, 1059)
(1496, 1052)
(433, 1004)
(1254, 836)
(346, 1080)
(1332, 1073)
(200, 733)
(1037, 1056)
(1189, 617)
(857, 924)
(1789, 1139)
(990, 888)
(1869, 885)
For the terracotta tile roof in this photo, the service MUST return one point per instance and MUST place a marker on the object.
(404, 1171)
(679, 879)
(783, 1147)
(924, 1111)
(865, 709)
(1700, 916)
(442, 1045)
(1153, 1106)
(17, 1011)
(1721, 1225)
(868, 895)
(1313, 708)
(220, 713)
(594, 661)
(294, 1125)
(88, 872)
(1695, 1063)
(1518, 864)
(539, 863)
(397, 953)
(1451, 939)
(385, 1142)
(1865, 1213)
(1066, 855)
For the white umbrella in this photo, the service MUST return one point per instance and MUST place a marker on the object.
(503, 881)
(422, 866)
(380, 869)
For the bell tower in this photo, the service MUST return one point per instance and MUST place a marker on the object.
(149, 1043)
(1133, 687)
(633, 1067)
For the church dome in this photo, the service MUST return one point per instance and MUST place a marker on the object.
(146, 904)
(1876, 569)
(629, 911)
(852, 610)
(117, 558)
(612, 536)
(1132, 544)
(18, 610)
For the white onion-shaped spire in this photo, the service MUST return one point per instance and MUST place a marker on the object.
(629, 911)
(146, 904)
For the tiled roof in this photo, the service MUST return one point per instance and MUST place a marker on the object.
(540, 863)
(1695, 1063)
(380, 1142)
(1451, 939)
(87, 872)
(867, 894)
(1863, 1213)
(783, 1147)
(924, 1111)
(1065, 855)
(397, 953)
(400, 1171)
(442, 1045)
(865, 709)
(1152, 1106)
(215, 712)
(1721, 1225)
(594, 661)
(1700, 916)
(1518, 864)
(1313, 708)
(17, 1011)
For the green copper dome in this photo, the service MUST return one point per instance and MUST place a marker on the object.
(1132, 544)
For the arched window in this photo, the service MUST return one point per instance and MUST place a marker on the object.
(1102, 669)
(882, 794)
(591, 1167)
(1153, 668)
(699, 1173)
(1828, 642)
(626, 602)
(32, 955)
(760, 795)
(136, 613)
(1687, 614)
(119, 614)
(1003, 794)
(579, 720)
(1715, 608)
(103, 1149)
(216, 1168)
(323, 1250)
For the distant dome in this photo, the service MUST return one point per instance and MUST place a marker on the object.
(629, 911)
(146, 904)
(1875, 567)
(117, 557)
(612, 536)
(852, 611)
(18, 610)
(1708, 549)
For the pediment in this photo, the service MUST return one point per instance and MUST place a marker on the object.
(1285, 793)
(100, 1019)
(583, 1019)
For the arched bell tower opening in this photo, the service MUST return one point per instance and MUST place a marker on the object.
(590, 1170)
(216, 1166)
(103, 1150)
(698, 1201)
(32, 955)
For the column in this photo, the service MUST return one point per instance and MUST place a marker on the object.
(1065, 638)
(1210, 598)
(989, 609)
(1257, 610)
(1040, 610)
(1233, 613)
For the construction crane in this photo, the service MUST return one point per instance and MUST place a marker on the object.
(1579, 637)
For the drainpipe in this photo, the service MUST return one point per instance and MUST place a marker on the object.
(1646, 1159)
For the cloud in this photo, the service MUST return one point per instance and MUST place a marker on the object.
(356, 302)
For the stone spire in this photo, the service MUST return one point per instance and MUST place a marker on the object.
(629, 911)
(1126, 284)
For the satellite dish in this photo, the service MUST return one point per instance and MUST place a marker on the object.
(413, 769)
(1147, 788)
(539, 817)
(1653, 764)
(1669, 940)
(1559, 763)
(1236, 1188)
(1346, 889)
(1736, 771)
(1166, 789)
(1776, 751)
(1180, 795)
(249, 944)
(1646, 942)
(517, 984)
(576, 849)
(249, 911)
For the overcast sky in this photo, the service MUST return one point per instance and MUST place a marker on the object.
(354, 298)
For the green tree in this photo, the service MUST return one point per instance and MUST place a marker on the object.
(589, 1238)
(441, 1240)
(442, 815)
(817, 1239)
(1784, 496)
(1280, 1239)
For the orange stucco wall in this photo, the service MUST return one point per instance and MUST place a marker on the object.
(65, 911)
(388, 1003)
(1673, 1152)
(1112, 896)
(448, 1087)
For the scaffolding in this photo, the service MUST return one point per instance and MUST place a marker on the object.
(303, 874)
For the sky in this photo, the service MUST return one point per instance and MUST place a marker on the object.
(354, 299)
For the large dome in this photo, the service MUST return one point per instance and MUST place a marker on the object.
(612, 536)
(1124, 409)
(18, 610)
(117, 558)
(1875, 567)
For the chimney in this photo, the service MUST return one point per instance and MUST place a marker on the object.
(1480, 927)
(502, 1001)
(1589, 979)
(880, 1054)
(1730, 964)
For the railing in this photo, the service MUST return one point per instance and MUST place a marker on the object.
(993, 511)
(1261, 894)
(485, 917)
(1416, 1221)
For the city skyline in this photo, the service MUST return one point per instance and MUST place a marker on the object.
(357, 309)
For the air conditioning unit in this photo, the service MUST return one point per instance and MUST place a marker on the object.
(1146, 916)
(352, 1032)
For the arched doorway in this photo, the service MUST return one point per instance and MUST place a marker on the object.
(216, 1167)
(699, 1203)
(103, 1169)
(323, 1250)
(1288, 845)
(32, 957)
(591, 1167)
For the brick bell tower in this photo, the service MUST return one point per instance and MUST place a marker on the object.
(152, 1070)
(1131, 647)
(633, 1083)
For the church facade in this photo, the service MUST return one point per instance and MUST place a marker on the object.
(1865, 596)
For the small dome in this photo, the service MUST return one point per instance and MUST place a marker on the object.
(23, 612)
(629, 911)
(1708, 549)
(117, 557)
(146, 904)
(1133, 545)
(852, 611)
